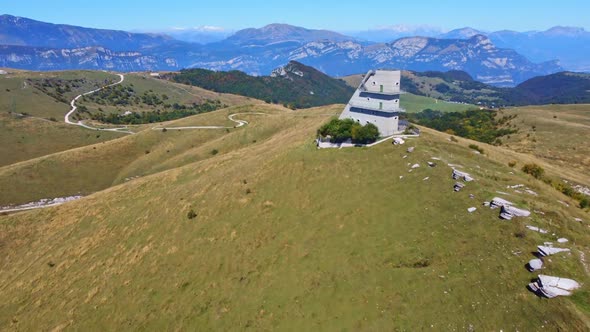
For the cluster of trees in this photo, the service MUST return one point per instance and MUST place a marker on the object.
(57, 87)
(479, 125)
(125, 95)
(294, 91)
(342, 130)
(180, 111)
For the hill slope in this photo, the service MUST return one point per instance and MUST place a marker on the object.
(33, 105)
(285, 238)
(458, 86)
(295, 84)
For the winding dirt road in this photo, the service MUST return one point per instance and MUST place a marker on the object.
(123, 130)
(230, 117)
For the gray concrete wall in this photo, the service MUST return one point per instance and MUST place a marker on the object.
(387, 125)
(376, 101)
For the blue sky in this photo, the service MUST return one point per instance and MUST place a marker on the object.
(339, 15)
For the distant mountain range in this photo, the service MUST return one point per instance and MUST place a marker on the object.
(29, 44)
(21, 31)
(570, 45)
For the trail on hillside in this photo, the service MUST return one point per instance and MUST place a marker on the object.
(124, 130)
(240, 123)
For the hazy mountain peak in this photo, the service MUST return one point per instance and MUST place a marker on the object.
(565, 31)
(278, 32)
(462, 33)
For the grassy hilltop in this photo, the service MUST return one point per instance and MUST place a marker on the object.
(290, 237)
(33, 105)
(253, 227)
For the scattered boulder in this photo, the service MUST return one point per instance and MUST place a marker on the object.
(471, 209)
(551, 287)
(398, 141)
(415, 165)
(537, 229)
(498, 202)
(508, 212)
(534, 264)
(507, 209)
(431, 164)
(458, 186)
(410, 149)
(461, 175)
(549, 250)
(562, 240)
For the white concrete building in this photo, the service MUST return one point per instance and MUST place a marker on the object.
(376, 101)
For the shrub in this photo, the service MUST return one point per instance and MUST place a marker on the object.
(453, 139)
(214, 151)
(512, 163)
(584, 203)
(533, 169)
(476, 148)
(364, 134)
(342, 130)
(191, 214)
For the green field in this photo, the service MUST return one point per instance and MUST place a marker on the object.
(288, 237)
(414, 103)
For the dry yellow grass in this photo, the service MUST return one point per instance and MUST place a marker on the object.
(290, 237)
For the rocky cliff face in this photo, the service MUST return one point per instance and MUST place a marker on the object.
(476, 55)
(81, 58)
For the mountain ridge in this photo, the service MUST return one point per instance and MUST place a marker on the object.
(21, 31)
(258, 51)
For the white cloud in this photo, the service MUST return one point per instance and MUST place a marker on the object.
(201, 28)
(405, 28)
(209, 28)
